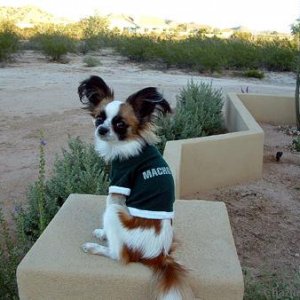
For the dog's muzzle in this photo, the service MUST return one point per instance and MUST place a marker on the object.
(102, 131)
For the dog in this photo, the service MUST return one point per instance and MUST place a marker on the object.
(137, 222)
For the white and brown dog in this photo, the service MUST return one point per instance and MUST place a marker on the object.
(137, 222)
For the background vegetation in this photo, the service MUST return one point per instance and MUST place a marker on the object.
(54, 45)
(196, 51)
(9, 41)
(77, 170)
(202, 106)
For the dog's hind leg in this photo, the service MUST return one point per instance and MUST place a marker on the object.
(100, 233)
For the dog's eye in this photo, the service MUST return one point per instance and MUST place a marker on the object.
(120, 125)
(99, 121)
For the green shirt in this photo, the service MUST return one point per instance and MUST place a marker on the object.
(147, 182)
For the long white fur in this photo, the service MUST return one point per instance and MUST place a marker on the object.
(173, 294)
(121, 149)
(145, 240)
(112, 109)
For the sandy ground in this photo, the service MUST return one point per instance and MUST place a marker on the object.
(35, 95)
(265, 214)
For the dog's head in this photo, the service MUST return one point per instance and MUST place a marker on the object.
(119, 123)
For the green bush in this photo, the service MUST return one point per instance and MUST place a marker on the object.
(254, 74)
(91, 61)
(79, 170)
(93, 30)
(296, 144)
(203, 54)
(277, 55)
(91, 44)
(54, 45)
(198, 113)
(12, 250)
(9, 42)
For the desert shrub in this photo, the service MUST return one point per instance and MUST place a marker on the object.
(12, 249)
(242, 35)
(296, 144)
(277, 55)
(8, 262)
(241, 54)
(54, 45)
(197, 54)
(90, 44)
(9, 42)
(204, 54)
(254, 74)
(198, 113)
(93, 30)
(78, 170)
(93, 26)
(91, 61)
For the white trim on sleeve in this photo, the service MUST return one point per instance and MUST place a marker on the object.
(149, 214)
(119, 190)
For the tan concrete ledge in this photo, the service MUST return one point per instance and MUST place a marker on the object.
(200, 164)
(56, 268)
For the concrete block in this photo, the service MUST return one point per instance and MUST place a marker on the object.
(56, 268)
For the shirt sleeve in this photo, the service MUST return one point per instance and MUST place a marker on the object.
(120, 182)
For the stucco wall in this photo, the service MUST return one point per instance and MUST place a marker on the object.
(210, 162)
(277, 110)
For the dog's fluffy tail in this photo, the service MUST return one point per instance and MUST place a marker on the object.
(169, 279)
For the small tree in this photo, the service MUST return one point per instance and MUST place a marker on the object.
(296, 32)
(9, 41)
(93, 28)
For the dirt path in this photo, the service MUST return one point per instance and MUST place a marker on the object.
(37, 95)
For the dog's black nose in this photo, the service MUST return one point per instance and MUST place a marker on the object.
(103, 130)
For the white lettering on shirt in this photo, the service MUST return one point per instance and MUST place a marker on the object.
(156, 172)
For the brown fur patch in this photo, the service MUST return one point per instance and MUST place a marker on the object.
(168, 272)
(97, 110)
(135, 127)
(128, 255)
(131, 222)
(129, 117)
(134, 255)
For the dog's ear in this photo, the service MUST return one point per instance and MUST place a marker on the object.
(93, 91)
(147, 102)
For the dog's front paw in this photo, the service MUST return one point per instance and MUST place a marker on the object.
(99, 234)
(89, 247)
(93, 248)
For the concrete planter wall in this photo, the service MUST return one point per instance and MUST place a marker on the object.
(210, 162)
